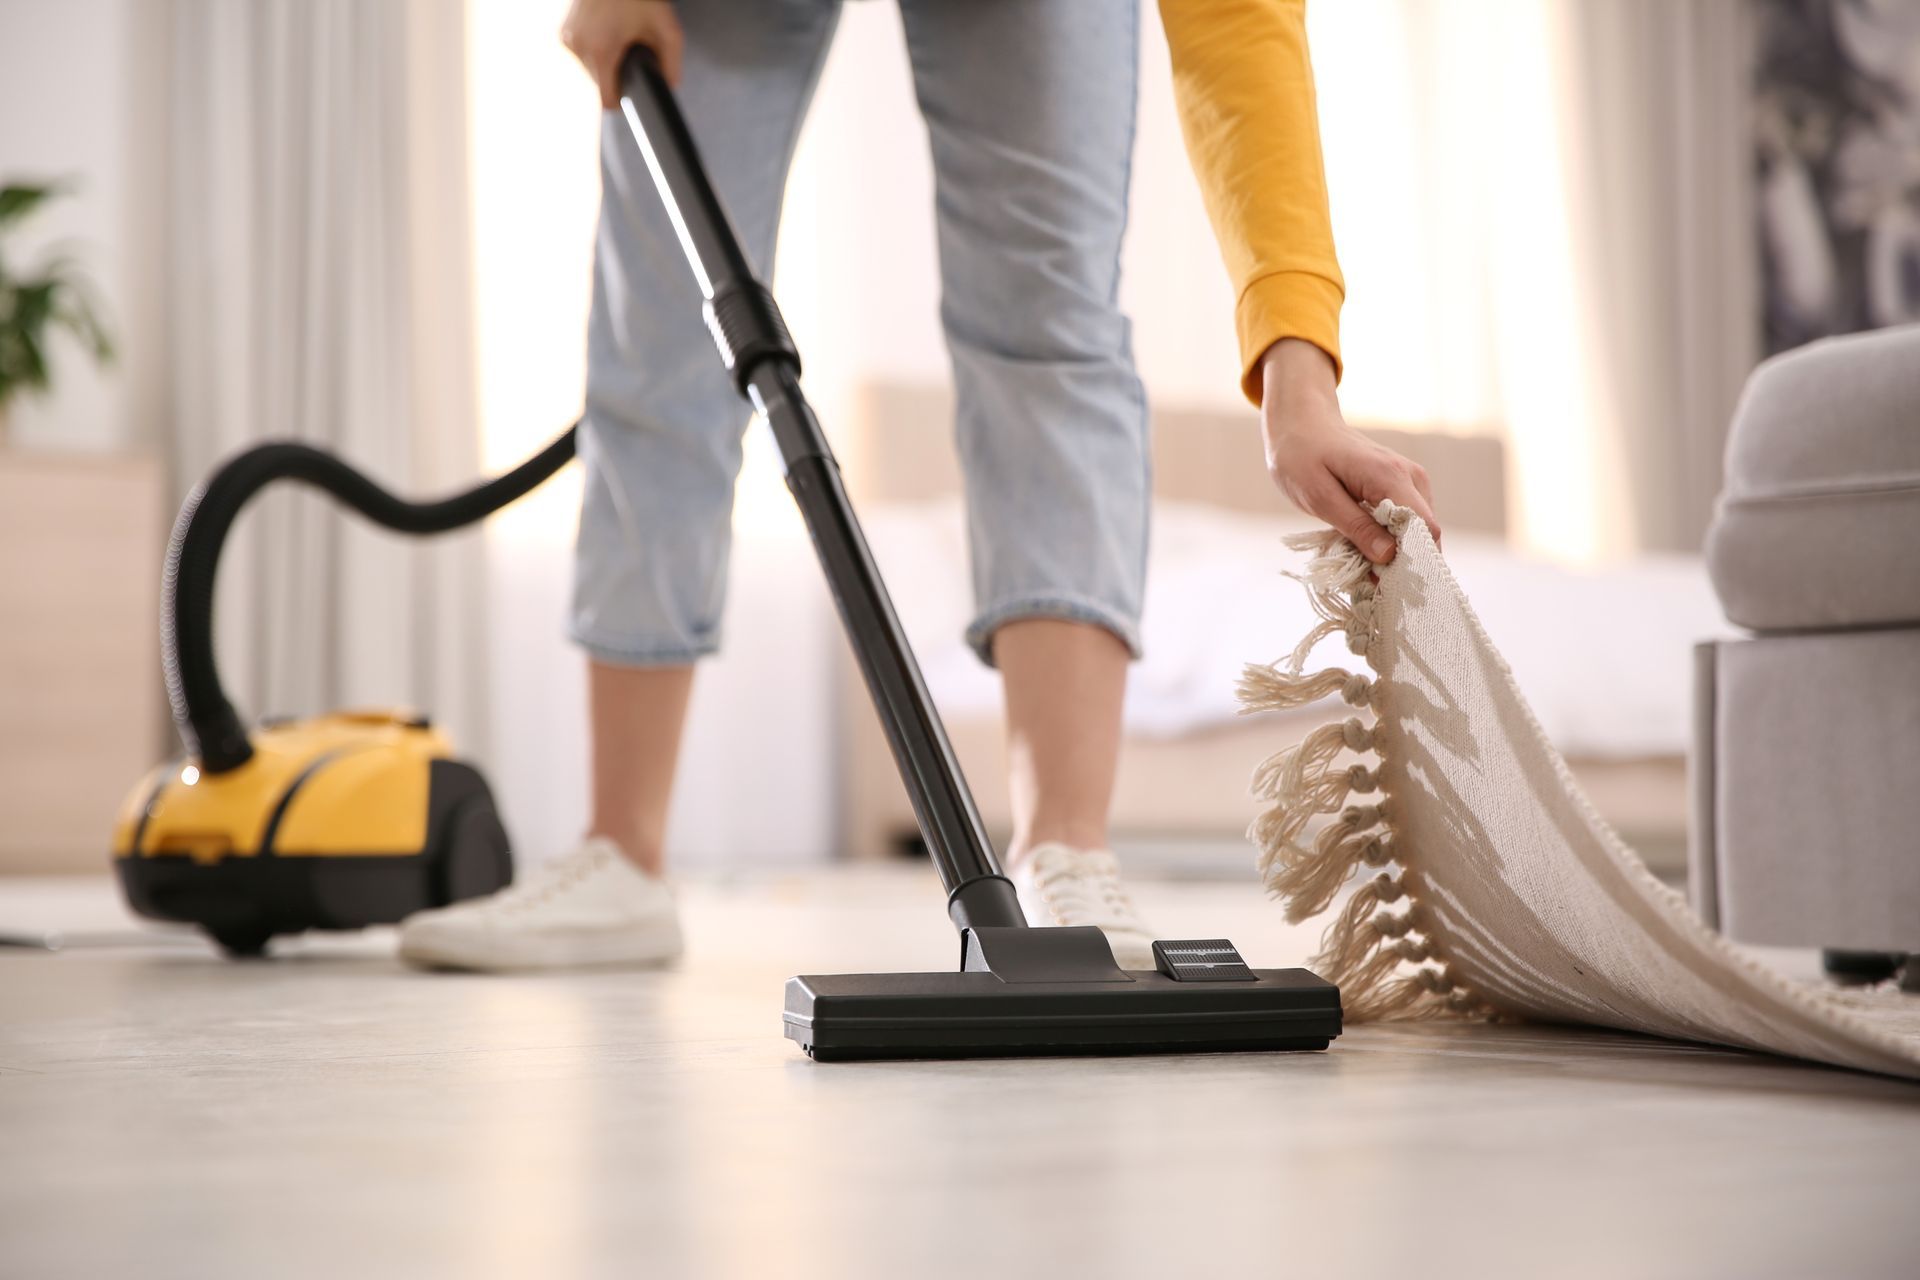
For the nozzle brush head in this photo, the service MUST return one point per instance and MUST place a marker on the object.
(846, 1017)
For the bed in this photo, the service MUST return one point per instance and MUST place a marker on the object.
(1604, 654)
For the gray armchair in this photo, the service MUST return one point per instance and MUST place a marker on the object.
(1806, 762)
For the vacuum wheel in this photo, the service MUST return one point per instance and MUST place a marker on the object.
(468, 847)
(241, 943)
(478, 859)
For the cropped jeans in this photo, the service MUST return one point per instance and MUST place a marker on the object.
(1029, 107)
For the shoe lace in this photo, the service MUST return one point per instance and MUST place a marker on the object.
(1086, 891)
(553, 879)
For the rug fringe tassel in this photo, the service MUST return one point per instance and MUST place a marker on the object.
(1385, 966)
(1269, 688)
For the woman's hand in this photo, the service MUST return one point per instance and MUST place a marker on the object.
(1326, 467)
(599, 32)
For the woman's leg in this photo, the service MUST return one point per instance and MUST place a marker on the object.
(636, 714)
(661, 445)
(1064, 684)
(1029, 111)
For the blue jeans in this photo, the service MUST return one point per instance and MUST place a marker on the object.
(1029, 105)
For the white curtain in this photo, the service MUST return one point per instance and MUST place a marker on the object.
(1660, 159)
(321, 279)
(1542, 209)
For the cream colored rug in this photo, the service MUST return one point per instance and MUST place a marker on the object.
(1494, 888)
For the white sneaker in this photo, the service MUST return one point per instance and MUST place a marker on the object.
(588, 907)
(1060, 885)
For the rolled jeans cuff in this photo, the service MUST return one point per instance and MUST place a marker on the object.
(1065, 608)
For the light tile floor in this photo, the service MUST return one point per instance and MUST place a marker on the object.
(328, 1113)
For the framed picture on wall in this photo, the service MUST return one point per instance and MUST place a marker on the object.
(1837, 149)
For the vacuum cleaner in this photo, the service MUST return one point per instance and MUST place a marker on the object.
(337, 822)
(359, 818)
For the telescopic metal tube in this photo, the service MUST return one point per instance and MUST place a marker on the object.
(759, 353)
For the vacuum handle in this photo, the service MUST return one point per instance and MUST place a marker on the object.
(759, 353)
(740, 311)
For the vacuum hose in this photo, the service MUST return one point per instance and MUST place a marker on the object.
(207, 721)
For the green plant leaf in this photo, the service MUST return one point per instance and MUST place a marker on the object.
(20, 199)
(59, 295)
(29, 362)
(32, 306)
(13, 361)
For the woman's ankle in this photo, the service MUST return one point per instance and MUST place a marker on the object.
(636, 847)
(1075, 833)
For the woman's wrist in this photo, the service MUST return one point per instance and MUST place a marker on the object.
(1298, 388)
(1297, 376)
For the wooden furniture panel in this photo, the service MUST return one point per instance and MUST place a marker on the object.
(81, 541)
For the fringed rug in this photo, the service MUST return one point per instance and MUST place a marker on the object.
(1494, 889)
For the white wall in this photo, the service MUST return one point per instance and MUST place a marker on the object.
(82, 95)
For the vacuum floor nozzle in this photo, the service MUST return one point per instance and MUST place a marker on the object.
(846, 1017)
(1200, 1000)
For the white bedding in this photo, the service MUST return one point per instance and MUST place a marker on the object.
(1605, 655)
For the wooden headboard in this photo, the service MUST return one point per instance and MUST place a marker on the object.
(897, 446)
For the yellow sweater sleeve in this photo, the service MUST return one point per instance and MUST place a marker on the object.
(1244, 87)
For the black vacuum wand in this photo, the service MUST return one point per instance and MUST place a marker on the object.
(1019, 989)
